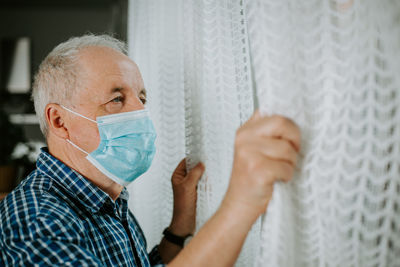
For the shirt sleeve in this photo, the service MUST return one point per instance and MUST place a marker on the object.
(155, 258)
(154, 255)
(46, 242)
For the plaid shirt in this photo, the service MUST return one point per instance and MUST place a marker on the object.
(57, 217)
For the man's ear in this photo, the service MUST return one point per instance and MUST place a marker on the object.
(55, 117)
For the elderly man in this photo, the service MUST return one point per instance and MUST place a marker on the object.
(72, 210)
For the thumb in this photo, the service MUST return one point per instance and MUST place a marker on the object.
(195, 174)
(180, 170)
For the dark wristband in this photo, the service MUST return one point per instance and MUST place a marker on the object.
(175, 239)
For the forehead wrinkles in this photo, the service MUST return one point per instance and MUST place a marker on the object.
(101, 58)
(102, 66)
(100, 61)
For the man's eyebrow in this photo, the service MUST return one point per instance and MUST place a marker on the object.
(119, 89)
(116, 90)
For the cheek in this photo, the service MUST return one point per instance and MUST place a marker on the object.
(86, 136)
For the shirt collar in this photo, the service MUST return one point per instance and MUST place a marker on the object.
(87, 193)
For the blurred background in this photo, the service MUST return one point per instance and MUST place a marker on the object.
(28, 32)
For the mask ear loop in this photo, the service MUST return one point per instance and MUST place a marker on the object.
(76, 113)
(77, 147)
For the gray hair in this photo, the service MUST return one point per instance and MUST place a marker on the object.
(57, 77)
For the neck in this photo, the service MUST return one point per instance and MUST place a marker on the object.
(77, 161)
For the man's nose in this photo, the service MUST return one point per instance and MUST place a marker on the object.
(134, 104)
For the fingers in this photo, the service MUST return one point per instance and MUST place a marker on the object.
(252, 163)
(276, 126)
(275, 171)
(278, 149)
(266, 149)
(182, 176)
(195, 174)
(180, 170)
(285, 128)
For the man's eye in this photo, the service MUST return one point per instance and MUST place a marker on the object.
(118, 99)
(143, 99)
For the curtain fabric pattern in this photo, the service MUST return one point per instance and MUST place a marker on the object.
(156, 44)
(194, 59)
(332, 66)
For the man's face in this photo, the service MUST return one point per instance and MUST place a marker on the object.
(111, 83)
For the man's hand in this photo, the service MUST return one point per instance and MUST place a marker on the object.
(266, 150)
(184, 185)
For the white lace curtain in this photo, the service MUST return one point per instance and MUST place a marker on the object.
(333, 66)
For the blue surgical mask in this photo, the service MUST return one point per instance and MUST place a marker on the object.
(126, 147)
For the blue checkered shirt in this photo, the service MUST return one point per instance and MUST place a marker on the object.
(56, 217)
